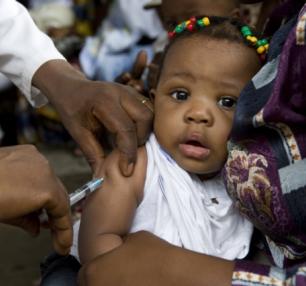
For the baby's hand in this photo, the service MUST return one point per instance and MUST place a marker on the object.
(134, 78)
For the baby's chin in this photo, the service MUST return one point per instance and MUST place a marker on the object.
(200, 171)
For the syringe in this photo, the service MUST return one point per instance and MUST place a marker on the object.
(77, 195)
(85, 190)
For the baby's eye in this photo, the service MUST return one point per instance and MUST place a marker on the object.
(179, 94)
(228, 102)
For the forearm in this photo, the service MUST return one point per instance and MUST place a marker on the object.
(193, 269)
(102, 244)
(144, 259)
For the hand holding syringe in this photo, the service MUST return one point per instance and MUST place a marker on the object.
(77, 195)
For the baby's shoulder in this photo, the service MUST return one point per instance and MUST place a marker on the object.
(111, 171)
(111, 163)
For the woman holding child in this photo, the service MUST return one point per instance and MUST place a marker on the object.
(264, 174)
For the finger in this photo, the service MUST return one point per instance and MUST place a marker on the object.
(61, 234)
(139, 65)
(138, 85)
(58, 210)
(127, 146)
(140, 109)
(90, 146)
(124, 78)
(124, 129)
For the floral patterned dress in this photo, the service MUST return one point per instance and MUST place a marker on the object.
(266, 170)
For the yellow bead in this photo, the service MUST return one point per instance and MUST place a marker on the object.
(261, 49)
(206, 21)
(254, 40)
(266, 46)
(187, 22)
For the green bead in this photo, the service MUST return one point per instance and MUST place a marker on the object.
(264, 42)
(259, 43)
(179, 29)
(200, 23)
(246, 33)
(245, 29)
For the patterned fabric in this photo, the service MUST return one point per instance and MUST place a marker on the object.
(266, 170)
(268, 276)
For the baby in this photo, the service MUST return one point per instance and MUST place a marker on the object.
(176, 191)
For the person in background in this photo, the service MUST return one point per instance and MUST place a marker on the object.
(264, 174)
(126, 30)
(28, 184)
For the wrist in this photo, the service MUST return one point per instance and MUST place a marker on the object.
(56, 78)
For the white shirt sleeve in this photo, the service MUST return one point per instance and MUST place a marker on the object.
(23, 49)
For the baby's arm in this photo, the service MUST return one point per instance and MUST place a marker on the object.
(108, 212)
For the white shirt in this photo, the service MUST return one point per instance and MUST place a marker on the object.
(185, 211)
(188, 212)
(23, 49)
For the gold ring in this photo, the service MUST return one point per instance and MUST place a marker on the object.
(143, 101)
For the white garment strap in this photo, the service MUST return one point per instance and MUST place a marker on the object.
(196, 215)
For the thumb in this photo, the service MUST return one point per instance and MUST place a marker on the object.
(91, 147)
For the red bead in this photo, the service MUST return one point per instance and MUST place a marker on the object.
(193, 20)
(171, 34)
(190, 27)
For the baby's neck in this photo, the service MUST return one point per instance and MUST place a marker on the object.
(204, 177)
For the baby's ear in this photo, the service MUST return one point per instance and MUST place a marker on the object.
(152, 94)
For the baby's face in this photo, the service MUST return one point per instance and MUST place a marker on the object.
(195, 100)
(174, 12)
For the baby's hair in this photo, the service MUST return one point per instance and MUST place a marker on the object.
(215, 27)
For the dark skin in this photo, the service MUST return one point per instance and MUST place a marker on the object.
(88, 110)
(157, 263)
(144, 259)
(26, 193)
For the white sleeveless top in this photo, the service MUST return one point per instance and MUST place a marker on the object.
(187, 212)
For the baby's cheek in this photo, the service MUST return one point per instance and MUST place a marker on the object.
(222, 153)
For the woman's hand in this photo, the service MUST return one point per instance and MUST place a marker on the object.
(144, 259)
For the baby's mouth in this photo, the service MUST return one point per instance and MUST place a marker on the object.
(194, 149)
